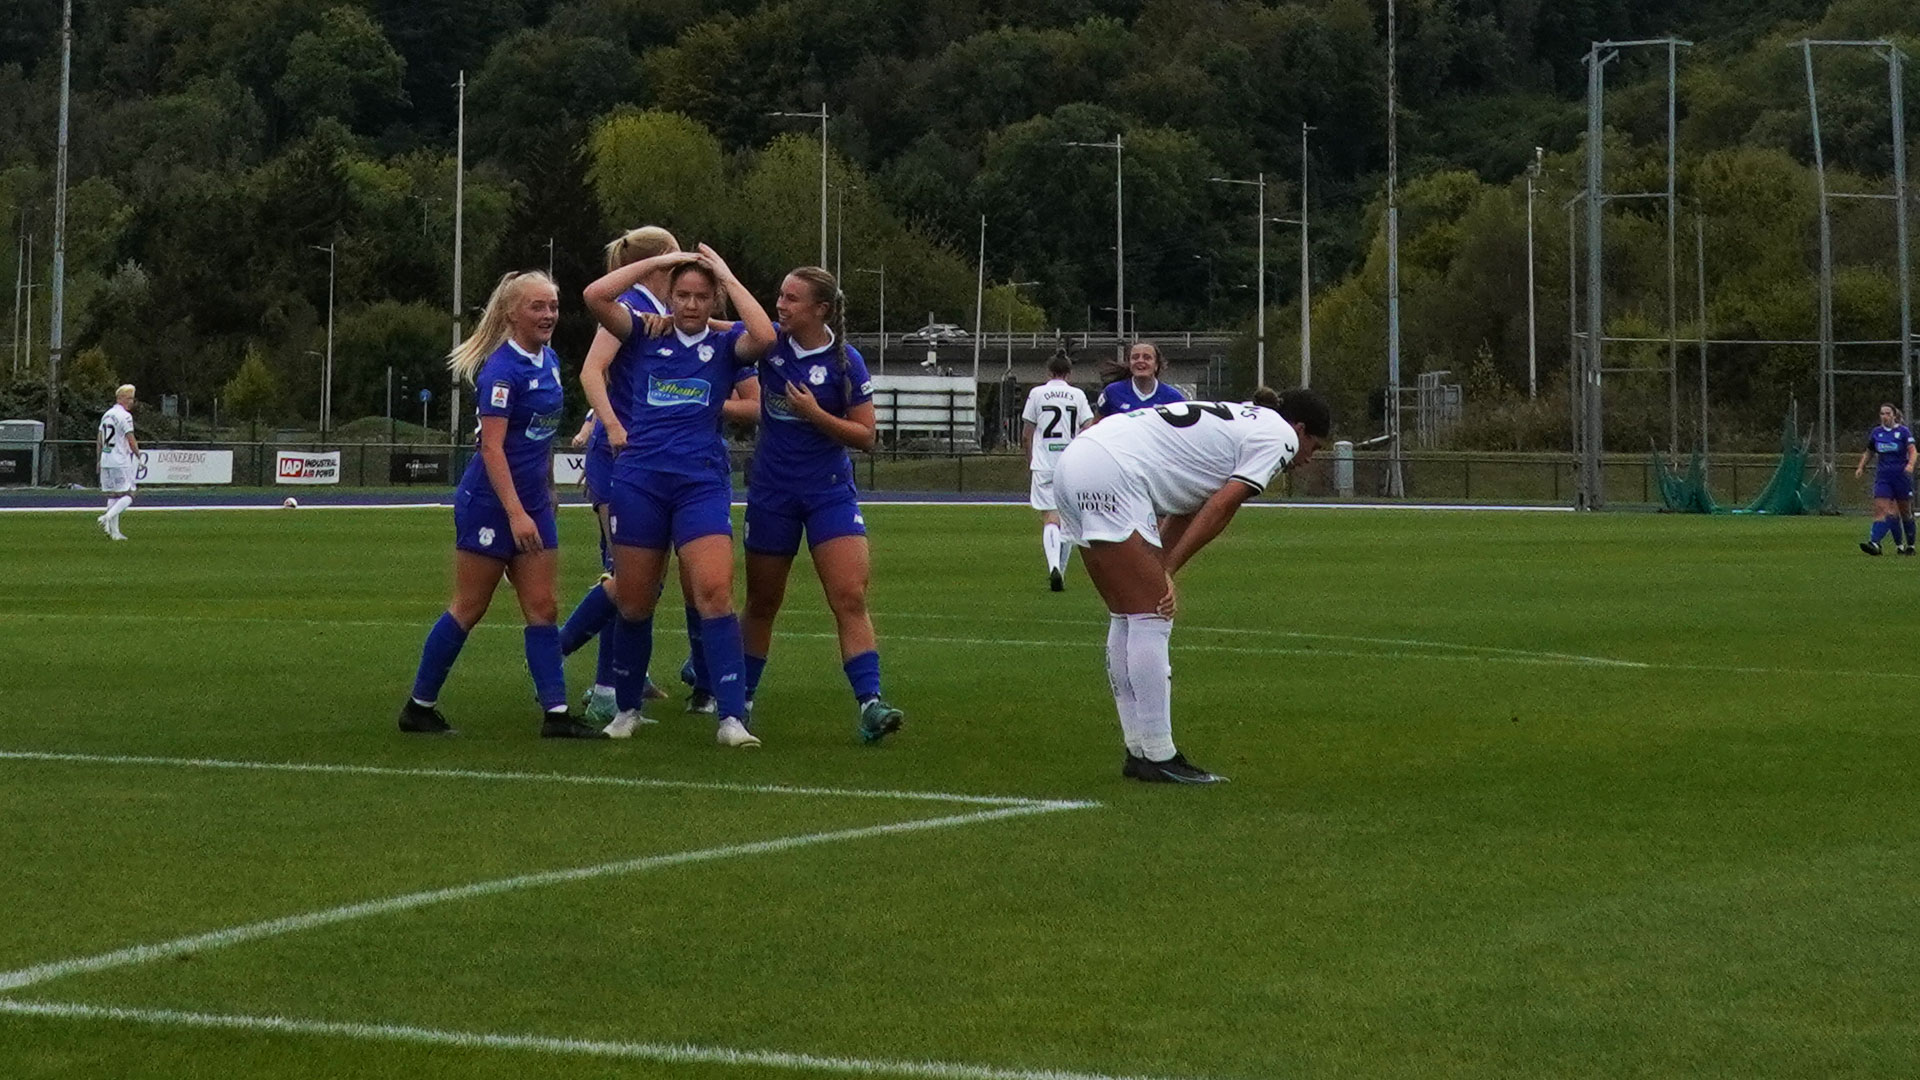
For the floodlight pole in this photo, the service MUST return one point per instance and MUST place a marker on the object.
(1118, 146)
(1259, 184)
(326, 379)
(1396, 481)
(1306, 271)
(1592, 441)
(459, 236)
(820, 115)
(1700, 277)
(1825, 415)
(56, 340)
(1896, 79)
(979, 298)
(1533, 334)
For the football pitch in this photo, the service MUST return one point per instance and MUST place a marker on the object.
(1513, 795)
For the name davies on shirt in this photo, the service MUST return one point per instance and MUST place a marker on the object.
(670, 392)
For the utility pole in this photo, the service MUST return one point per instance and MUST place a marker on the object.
(979, 297)
(459, 235)
(19, 288)
(1533, 325)
(1118, 146)
(326, 378)
(1259, 184)
(821, 116)
(1306, 271)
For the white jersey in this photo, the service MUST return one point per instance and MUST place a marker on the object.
(1057, 410)
(115, 426)
(1186, 451)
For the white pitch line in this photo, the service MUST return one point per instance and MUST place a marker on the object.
(546, 778)
(141, 954)
(663, 1053)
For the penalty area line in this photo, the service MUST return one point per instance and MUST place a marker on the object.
(235, 935)
(663, 1053)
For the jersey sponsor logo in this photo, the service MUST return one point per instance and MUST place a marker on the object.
(780, 407)
(542, 427)
(500, 395)
(1097, 502)
(665, 393)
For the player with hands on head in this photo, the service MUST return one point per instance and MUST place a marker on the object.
(1055, 412)
(1891, 444)
(672, 484)
(503, 510)
(119, 454)
(1192, 464)
(816, 403)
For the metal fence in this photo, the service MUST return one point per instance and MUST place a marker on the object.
(1520, 479)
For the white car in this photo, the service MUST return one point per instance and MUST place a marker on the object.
(935, 333)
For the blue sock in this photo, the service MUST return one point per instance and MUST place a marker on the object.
(543, 660)
(1880, 527)
(437, 657)
(603, 670)
(720, 643)
(863, 672)
(697, 651)
(756, 667)
(594, 612)
(634, 644)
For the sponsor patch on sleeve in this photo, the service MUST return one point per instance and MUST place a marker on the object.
(501, 392)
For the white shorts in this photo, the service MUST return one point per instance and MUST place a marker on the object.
(1040, 492)
(1100, 499)
(117, 479)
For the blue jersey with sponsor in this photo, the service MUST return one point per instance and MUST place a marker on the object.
(638, 301)
(1122, 397)
(675, 387)
(792, 453)
(1890, 443)
(526, 390)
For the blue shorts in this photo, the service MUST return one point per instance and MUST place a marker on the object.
(480, 526)
(1898, 487)
(775, 518)
(597, 464)
(659, 511)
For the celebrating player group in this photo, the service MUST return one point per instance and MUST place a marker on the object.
(1140, 494)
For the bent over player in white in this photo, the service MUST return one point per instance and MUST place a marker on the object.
(1056, 411)
(119, 460)
(1192, 464)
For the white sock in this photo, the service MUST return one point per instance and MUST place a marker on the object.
(1066, 555)
(1050, 542)
(1150, 672)
(1117, 678)
(115, 507)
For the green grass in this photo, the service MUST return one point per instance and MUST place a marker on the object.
(1444, 853)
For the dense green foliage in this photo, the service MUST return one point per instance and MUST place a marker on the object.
(214, 143)
(1514, 796)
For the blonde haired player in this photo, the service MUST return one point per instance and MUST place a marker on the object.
(119, 460)
(1056, 411)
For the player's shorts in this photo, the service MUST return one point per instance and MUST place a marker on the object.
(1100, 499)
(1040, 490)
(117, 479)
(658, 511)
(597, 467)
(1898, 487)
(480, 526)
(776, 519)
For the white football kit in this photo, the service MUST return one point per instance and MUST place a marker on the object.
(117, 464)
(1121, 477)
(1057, 410)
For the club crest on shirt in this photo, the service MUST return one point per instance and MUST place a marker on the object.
(705, 352)
(817, 375)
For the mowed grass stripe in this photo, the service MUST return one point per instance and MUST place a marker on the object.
(197, 943)
(663, 1053)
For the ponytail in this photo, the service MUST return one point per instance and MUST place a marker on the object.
(492, 330)
(644, 242)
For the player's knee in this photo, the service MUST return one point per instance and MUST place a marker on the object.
(764, 603)
(713, 597)
(468, 610)
(847, 597)
(540, 611)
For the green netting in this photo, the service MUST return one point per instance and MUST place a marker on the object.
(1787, 493)
(1684, 494)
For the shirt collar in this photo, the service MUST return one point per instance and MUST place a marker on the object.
(658, 307)
(801, 354)
(695, 339)
(1136, 389)
(534, 358)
